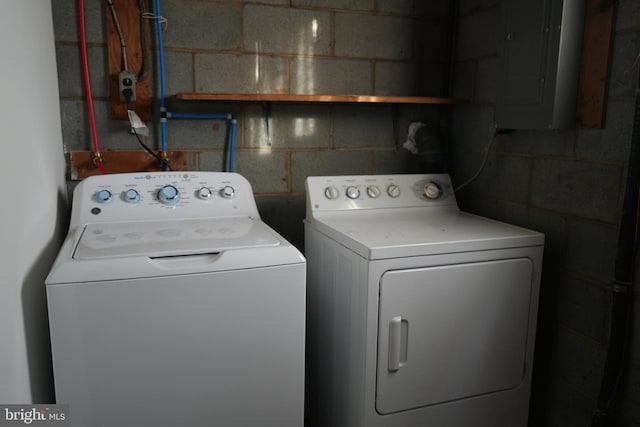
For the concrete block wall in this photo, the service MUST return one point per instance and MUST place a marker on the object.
(569, 185)
(368, 47)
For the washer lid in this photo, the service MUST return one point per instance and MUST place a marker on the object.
(168, 238)
(395, 233)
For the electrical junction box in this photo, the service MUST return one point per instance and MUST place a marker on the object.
(540, 56)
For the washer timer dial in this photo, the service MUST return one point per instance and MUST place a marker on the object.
(169, 195)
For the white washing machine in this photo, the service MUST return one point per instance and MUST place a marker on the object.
(418, 314)
(172, 304)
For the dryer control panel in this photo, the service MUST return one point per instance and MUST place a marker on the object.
(161, 195)
(330, 193)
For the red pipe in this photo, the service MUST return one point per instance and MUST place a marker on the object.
(87, 86)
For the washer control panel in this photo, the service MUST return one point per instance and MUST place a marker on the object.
(379, 191)
(161, 195)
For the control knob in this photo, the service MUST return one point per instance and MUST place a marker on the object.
(204, 193)
(228, 192)
(169, 195)
(331, 192)
(103, 196)
(131, 196)
(432, 190)
(393, 190)
(373, 191)
(353, 192)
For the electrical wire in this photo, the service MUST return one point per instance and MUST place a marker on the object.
(633, 66)
(87, 86)
(143, 39)
(123, 45)
(162, 19)
(482, 165)
(143, 43)
(164, 162)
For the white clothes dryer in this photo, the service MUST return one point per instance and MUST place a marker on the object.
(172, 304)
(418, 314)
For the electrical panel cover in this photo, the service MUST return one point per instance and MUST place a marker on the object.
(540, 51)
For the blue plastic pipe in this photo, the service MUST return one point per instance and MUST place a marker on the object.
(163, 87)
(232, 145)
(164, 115)
(232, 134)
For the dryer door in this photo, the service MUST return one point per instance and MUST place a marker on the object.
(451, 332)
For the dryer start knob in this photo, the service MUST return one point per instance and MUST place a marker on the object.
(393, 190)
(169, 195)
(432, 190)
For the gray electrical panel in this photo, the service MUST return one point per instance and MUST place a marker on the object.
(540, 51)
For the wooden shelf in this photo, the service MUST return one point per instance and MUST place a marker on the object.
(234, 97)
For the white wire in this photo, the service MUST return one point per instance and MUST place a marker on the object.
(482, 165)
(162, 19)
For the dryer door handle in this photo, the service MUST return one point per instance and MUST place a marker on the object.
(398, 345)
